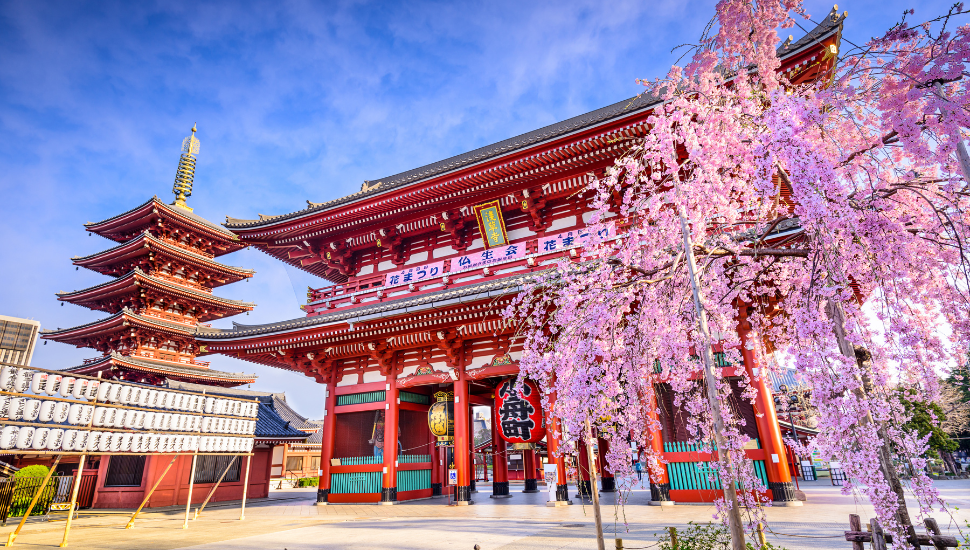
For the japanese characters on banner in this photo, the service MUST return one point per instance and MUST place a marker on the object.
(45, 411)
(494, 255)
(491, 224)
(576, 237)
(415, 274)
(519, 414)
(487, 257)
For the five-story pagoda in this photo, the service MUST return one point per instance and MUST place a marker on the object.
(164, 272)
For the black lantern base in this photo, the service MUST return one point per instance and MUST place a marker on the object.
(500, 489)
(782, 491)
(463, 494)
(472, 487)
(322, 495)
(660, 492)
(562, 493)
(389, 494)
(531, 486)
(436, 489)
(608, 484)
(583, 489)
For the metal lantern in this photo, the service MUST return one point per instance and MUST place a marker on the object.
(519, 413)
(441, 418)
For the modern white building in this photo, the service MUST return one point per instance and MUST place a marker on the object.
(17, 340)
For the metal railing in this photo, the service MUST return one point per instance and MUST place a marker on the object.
(16, 493)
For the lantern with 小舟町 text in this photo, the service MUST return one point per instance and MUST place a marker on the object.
(441, 418)
(519, 413)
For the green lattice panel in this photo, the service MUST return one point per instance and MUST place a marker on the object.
(361, 398)
(418, 398)
(356, 483)
(413, 480)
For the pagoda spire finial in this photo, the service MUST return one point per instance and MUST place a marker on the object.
(185, 174)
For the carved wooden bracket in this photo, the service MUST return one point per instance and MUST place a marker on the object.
(389, 239)
(319, 367)
(454, 224)
(384, 356)
(340, 257)
(533, 202)
(451, 343)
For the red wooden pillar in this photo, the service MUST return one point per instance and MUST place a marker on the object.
(328, 436)
(769, 432)
(553, 446)
(463, 494)
(607, 480)
(473, 478)
(659, 484)
(584, 486)
(391, 419)
(500, 461)
(529, 465)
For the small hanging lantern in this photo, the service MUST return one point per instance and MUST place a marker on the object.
(519, 414)
(441, 418)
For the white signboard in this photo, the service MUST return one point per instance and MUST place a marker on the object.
(551, 478)
(43, 411)
(452, 476)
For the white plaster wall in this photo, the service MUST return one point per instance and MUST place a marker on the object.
(476, 244)
(520, 233)
(568, 221)
(348, 380)
(366, 270)
(385, 265)
(443, 251)
(373, 376)
(587, 215)
(408, 371)
(479, 362)
(417, 258)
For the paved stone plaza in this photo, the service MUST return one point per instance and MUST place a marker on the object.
(288, 520)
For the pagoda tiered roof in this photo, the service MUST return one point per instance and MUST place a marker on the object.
(564, 149)
(135, 252)
(123, 227)
(124, 291)
(123, 320)
(164, 369)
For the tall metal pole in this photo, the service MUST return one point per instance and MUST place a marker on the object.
(74, 491)
(723, 453)
(594, 487)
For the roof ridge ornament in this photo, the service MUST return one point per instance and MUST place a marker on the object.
(185, 175)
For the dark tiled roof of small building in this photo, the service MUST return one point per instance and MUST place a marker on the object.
(270, 425)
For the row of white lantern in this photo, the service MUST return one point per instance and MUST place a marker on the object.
(41, 439)
(31, 410)
(18, 380)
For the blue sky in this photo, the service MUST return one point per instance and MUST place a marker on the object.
(294, 101)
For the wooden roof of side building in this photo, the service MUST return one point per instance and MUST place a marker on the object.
(169, 369)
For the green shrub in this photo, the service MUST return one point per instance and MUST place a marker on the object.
(308, 482)
(707, 537)
(37, 470)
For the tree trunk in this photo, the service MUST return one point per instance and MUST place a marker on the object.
(863, 359)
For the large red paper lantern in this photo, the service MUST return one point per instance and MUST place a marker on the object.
(519, 414)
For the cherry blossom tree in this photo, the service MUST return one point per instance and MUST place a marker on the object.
(825, 220)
